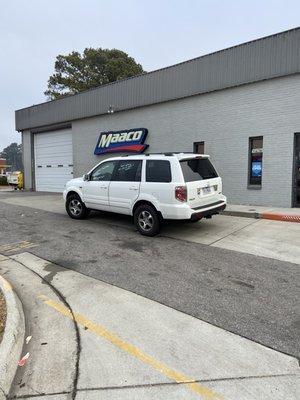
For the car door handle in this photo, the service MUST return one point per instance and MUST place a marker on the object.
(103, 187)
(133, 188)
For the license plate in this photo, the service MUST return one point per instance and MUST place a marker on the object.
(206, 190)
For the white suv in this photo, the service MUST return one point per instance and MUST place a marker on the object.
(151, 187)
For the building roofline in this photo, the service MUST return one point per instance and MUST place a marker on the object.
(161, 69)
(261, 59)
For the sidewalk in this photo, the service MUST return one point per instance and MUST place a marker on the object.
(95, 340)
(261, 212)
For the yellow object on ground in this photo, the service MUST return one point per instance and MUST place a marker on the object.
(15, 179)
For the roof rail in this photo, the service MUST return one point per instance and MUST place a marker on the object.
(169, 153)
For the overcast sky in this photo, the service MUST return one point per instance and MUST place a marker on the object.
(156, 33)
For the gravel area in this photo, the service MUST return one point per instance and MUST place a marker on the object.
(2, 315)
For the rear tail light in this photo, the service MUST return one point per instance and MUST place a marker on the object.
(181, 193)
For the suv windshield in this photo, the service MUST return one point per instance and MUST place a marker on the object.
(197, 169)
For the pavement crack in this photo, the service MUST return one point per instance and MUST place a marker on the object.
(30, 396)
(238, 378)
(76, 327)
(34, 390)
(232, 233)
(5, 396)
(146, 385)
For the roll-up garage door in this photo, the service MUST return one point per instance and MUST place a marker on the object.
(53, 152)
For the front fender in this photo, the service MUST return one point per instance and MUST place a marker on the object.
(73, 189)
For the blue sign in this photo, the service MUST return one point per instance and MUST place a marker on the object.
(129, 141)
(256, 169)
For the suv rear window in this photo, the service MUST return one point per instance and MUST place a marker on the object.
(158, 171)
(197, 169)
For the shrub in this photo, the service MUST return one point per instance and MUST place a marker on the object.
(3, 180)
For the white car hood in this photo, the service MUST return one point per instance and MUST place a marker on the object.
(75, 182)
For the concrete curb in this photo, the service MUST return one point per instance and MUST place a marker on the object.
(280, 217)
(273, 215)
(13, 338)
(246, 214)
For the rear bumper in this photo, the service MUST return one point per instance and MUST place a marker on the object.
(215, 209)
(184, 211)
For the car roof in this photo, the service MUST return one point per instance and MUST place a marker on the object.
(159, 156)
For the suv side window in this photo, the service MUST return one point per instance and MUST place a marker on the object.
(104, 171)
(128, 171)
(158, 171)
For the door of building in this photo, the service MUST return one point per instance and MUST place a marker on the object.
(296, 184)
(53, 152)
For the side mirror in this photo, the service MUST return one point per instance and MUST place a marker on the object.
(86, 177)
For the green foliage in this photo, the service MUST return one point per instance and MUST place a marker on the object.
(13, 155)
(94, 67)
(3, 180)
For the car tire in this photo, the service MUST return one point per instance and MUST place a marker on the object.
(76, 208)
(147, 220)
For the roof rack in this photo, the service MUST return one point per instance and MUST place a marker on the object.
(169, 153)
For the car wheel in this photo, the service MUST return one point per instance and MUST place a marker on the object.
(76, 208)
(147, 220)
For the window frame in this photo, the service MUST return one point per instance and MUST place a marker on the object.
(99, 166)
(117, 166)
(251, 185)
(159, 160)
(195, 144)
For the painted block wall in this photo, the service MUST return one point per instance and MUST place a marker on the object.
(224, 120)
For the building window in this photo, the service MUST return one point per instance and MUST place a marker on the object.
(199, 147)
(255, 160)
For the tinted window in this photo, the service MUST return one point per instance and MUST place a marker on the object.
(255, 157)
(128, 171)
(158, 171)
(197, 169)
(104, 171)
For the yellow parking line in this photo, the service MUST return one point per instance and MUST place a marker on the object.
(6, 247)
(6, 285)
(204, 392)
(21, 247)
(11, 247)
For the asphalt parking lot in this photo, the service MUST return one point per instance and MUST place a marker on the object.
(92, 340)
(253, 296)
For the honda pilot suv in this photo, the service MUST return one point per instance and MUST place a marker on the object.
(150, 187)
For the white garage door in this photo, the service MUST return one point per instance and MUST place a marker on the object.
(53, 152)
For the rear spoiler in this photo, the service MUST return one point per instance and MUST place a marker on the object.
(200, 156)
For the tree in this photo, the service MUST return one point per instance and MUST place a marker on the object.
(94, 67)
(13, 156)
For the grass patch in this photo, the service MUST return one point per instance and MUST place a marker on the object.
(2, 315)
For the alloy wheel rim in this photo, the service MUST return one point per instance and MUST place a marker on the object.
(75, 207)
(146, 221)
